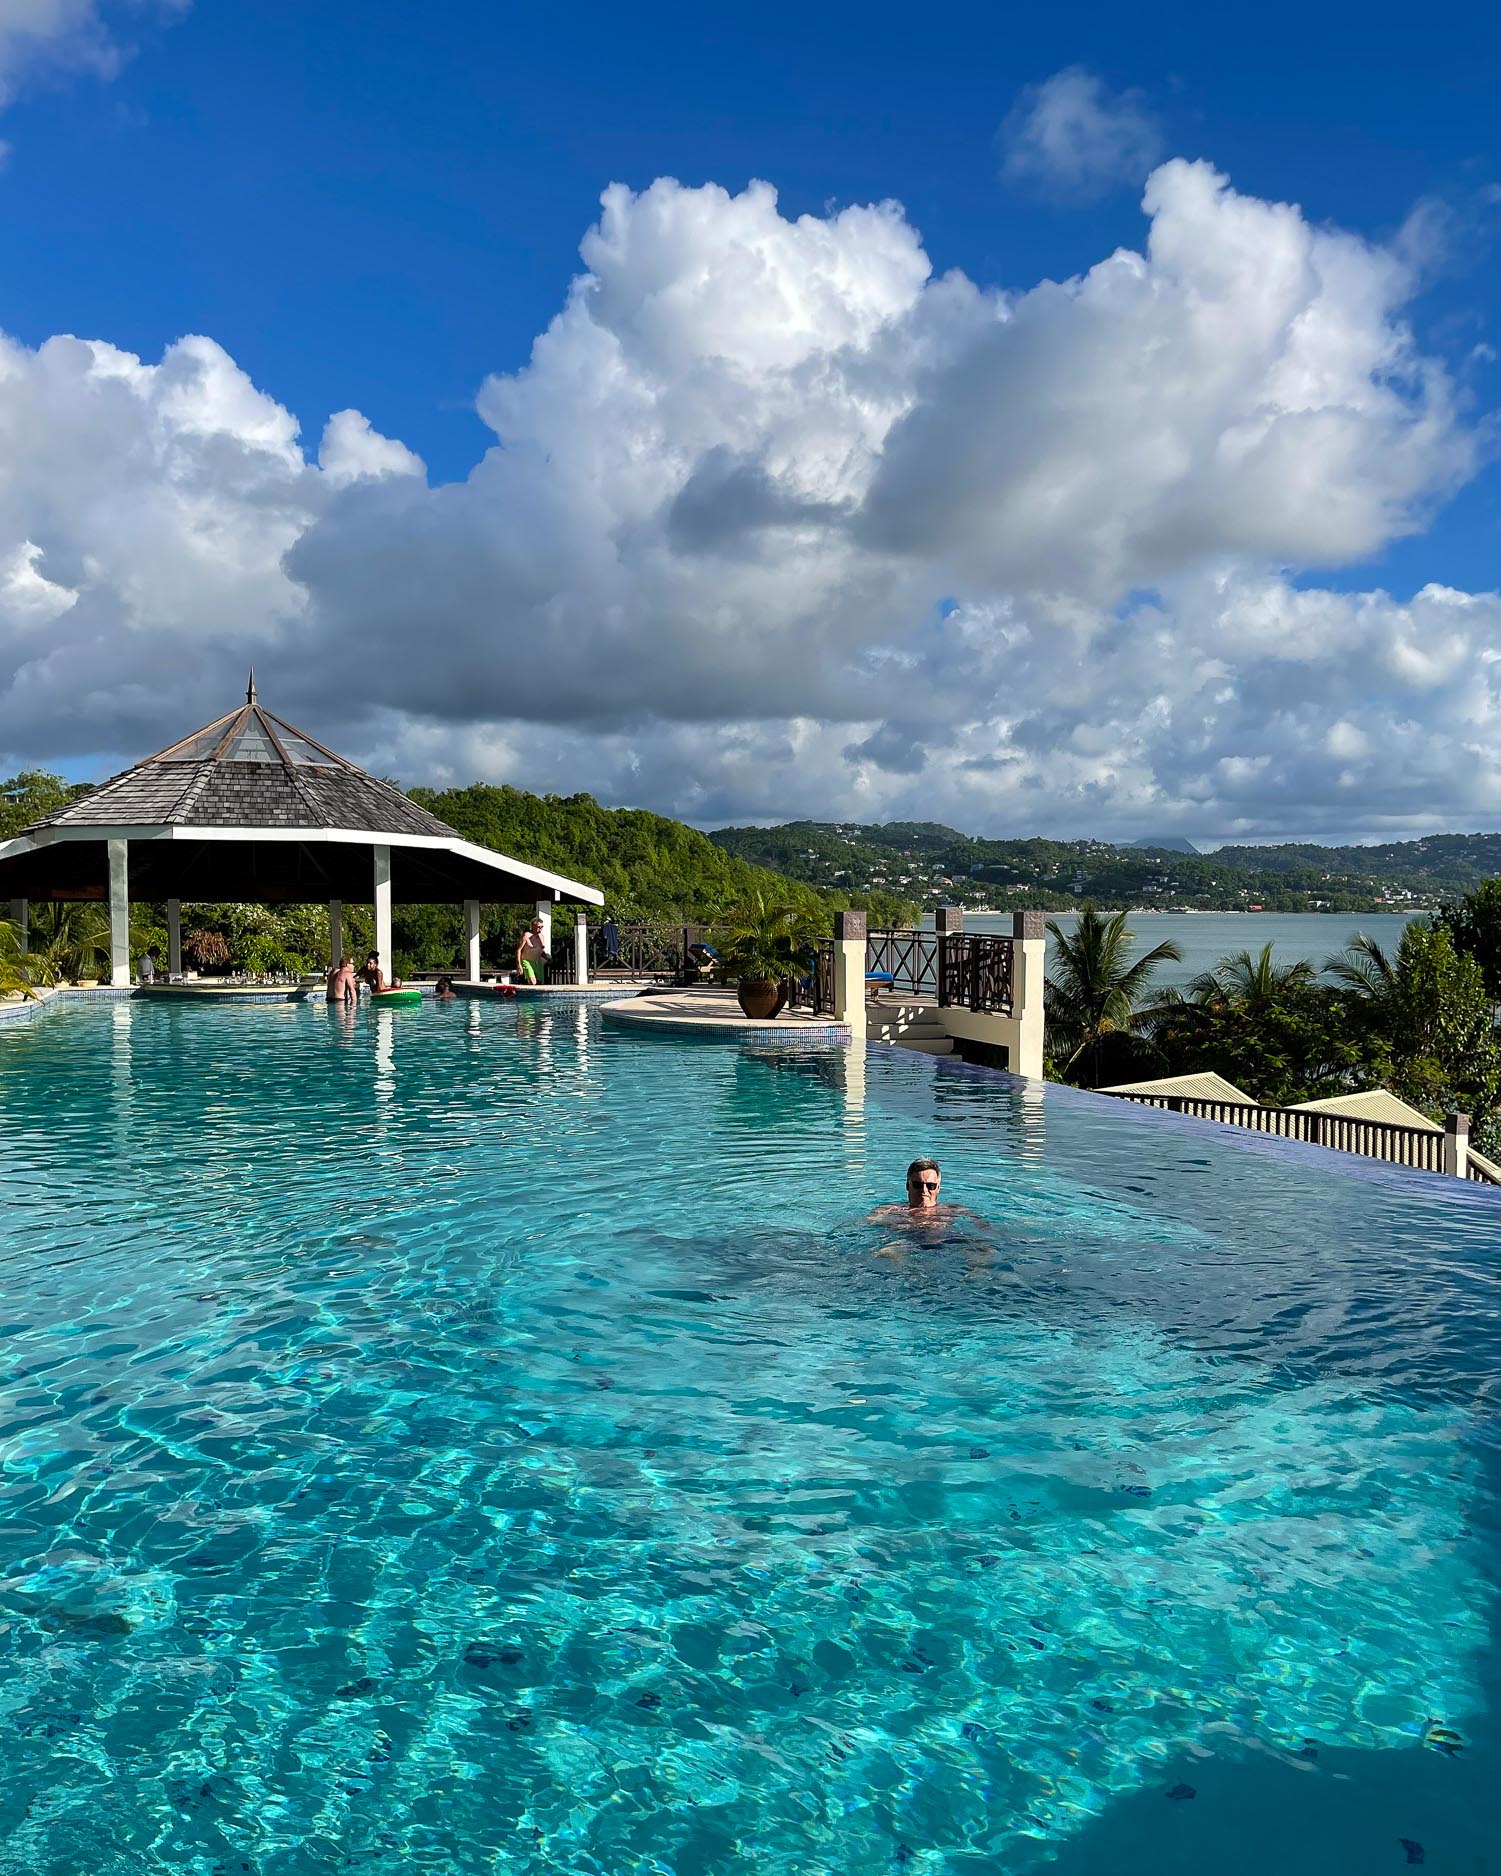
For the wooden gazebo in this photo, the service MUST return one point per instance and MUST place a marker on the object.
(250, 808)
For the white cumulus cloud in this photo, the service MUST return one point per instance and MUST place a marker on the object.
(1073, 138)
(777, 522)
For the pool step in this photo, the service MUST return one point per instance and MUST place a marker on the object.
(909, 1026)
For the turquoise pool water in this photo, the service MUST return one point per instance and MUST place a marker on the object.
(465, 1439)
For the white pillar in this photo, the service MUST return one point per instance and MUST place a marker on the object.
(544, 912)
(335, 932)
(174, 937)
(1029, 956)
(119, 911)
(383, 912)
(471, 940)
(19, 918)
(581, 950)
(849, 973)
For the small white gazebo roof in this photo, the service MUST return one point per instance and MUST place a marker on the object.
(1205, 1086)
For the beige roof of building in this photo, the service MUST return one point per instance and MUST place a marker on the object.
(1377, 1104)
(1206, 1086)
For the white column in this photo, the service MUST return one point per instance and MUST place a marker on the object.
(174, 937)
(18, 918)
(581, 950)
(471, 940)
(119, 911)
(1029, 955)
(335, 932)
(849, 973)
(383, 912)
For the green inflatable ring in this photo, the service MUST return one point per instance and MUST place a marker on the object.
(404, 995)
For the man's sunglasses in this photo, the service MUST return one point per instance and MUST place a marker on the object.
(928, 1185)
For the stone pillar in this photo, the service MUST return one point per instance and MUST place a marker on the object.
(1029, 950)
(119, 911)
(1457, 1145)
(544, 912)
(849, 973)
(580, 950)
(471, 940)
(948, 921)
(383, 912)
(174, 937)
(335, 932)
(18, 917)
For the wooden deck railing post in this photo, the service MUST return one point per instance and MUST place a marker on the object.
(947, 920)
(1457, 1145)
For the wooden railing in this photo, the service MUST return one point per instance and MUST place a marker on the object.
(963, 970)
(909, 957)
(1422, 1148)
(650, 949)
(975, 972)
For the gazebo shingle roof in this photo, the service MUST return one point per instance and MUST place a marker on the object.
(248, 769)
(250, 807)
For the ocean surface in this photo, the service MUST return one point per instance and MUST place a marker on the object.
(469, 1439)
(1206, 937)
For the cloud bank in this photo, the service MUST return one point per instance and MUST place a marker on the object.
(777, 522)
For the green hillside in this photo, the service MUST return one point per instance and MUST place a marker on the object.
(936, 865)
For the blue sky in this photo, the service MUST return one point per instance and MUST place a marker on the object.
(376, 207)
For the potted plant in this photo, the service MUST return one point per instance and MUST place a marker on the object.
(763, 952)
(207, 949)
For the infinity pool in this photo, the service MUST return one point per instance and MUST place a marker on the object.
(465, 1439)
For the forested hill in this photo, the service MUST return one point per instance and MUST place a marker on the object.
(646, 865)
(934, 864)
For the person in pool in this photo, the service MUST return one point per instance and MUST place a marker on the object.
(925, 1220)
(373, 975)
(444, 990)
(341, 984)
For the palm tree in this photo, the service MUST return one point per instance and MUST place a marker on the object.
(70, 939)
(1364, 968)
(17, 970)
(1095, 990)
(1248, 982)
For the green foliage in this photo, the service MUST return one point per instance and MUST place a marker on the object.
(19, 972)
(1298, 1043)
(71, 940)
(26, 797)
(1474, 923)
(1097, 994)
(767, 940)
(1441, 1026)
(1251, 983)
(935, 865)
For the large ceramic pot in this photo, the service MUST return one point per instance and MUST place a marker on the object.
(760, 997)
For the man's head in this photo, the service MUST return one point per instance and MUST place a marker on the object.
(923, 1179)
(537, 927)
(346, 964)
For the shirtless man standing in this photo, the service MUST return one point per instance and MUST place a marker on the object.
(531, 954)
(341, 987)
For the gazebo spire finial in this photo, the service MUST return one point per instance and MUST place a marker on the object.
(250, 696)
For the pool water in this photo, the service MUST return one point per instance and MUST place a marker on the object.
(465, 1438)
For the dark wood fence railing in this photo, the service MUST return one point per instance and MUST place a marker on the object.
(1418, 1147)
(975, 972)
(962, 970)
(648, 949)
(909, 957)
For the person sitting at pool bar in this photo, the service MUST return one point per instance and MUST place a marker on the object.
(146, 969)
(373, 976)
(341, 984)
(531, 953)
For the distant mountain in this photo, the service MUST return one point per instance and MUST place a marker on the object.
(931, 864)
